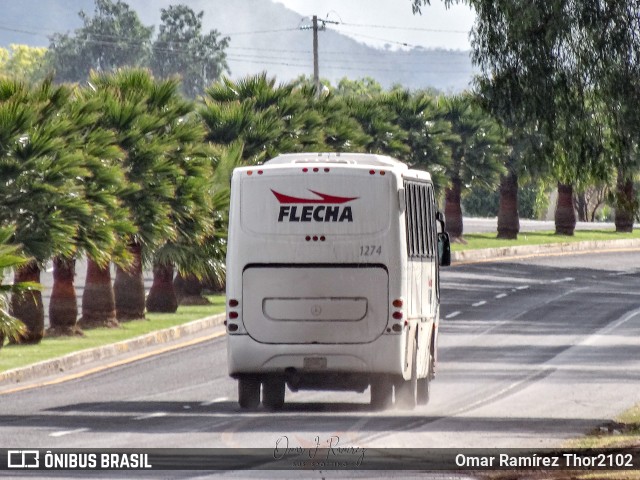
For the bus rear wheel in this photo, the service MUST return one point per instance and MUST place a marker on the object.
(273, 393)
(407, 390)
(248, 392)
(424, 384)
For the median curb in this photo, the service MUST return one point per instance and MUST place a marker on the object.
(503, 253)
(77, 359)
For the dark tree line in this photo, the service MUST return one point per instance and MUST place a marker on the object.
(565, 78)
(114, 38)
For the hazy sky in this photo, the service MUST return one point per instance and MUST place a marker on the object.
(380, 22)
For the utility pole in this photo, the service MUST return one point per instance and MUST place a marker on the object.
(316, 67)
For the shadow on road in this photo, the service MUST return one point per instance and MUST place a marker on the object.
(176, 416)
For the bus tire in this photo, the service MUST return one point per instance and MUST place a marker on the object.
(406, 390)
(248, 392)
(273, 393)
(424, 384)
(381, 393)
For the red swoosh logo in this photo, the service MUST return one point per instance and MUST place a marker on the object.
(324, 198)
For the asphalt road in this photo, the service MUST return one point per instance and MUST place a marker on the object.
(532, 352)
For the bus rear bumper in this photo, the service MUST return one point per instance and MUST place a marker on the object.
(382, 356)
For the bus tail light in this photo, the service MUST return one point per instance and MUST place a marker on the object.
(396, 327)
(232, 315)
(397, 303)
(397, 315)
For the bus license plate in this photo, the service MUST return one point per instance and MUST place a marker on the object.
(315, 363)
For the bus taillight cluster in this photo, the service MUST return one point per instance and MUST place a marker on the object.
(397, 315)
(232, 315)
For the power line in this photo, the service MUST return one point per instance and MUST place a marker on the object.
(395, 42)
(125, 39)
(404, 28)
(376, 53)
(275, 60)
(347, 68)
(349, 60)
(255, 32)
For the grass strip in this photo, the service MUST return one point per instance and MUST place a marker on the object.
(476, 241)
(622, 432)
(15, 356)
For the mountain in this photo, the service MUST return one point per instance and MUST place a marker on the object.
(264, 36)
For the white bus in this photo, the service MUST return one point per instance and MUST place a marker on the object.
(332, 278)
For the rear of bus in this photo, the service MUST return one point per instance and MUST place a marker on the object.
(313, 268)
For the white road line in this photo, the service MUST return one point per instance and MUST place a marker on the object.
(524, 287)
(215, 400)
(478, 304)
(501, 295)
(68, 432)
(151, 415)
(453, 314)
(566, 279)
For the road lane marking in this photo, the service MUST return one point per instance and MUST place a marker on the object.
(523, 287)
(524, 312)
(68, 432)
(215, 400)
(151, 415)
(478, 304)
(534, 376)
(502, 295)
(551, 365)
(117, 363)
(561, 280)
(453, 314)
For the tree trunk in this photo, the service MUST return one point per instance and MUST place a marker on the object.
(626, 204)
(129, 288)
(508, 218)
(27, 306)
(63, 306)
(162, 296)
(582, 207)
(189, 290)
(98, 301)
(565, 214)
(453, 208)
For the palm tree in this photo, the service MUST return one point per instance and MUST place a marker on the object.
(378, 122)
(146, 116)
(192, 214)
(266, 118)
(341, 132)
(477, 154)
(10, 258)
(582, 152)
(427, 133)
(197, 261)
(99, 231)
(39, 195)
